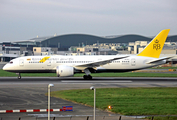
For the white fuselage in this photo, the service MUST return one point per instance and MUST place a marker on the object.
(32, 64)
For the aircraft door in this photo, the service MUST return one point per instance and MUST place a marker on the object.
(49, 63)
(21, 63)
(133, 62)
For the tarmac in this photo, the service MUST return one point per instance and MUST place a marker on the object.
(29, 93)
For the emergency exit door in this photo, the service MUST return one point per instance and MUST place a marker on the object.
(133, 61)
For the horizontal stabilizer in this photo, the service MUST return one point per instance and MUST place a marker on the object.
(157, 60)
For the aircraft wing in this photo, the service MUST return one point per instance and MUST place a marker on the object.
(157, 60)
(102, 62)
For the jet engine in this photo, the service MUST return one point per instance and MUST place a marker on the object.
(64, 71)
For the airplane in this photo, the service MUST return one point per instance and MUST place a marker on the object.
(66, 66)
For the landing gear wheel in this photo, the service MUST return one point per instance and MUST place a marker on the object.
(19, 76)
(87, 77)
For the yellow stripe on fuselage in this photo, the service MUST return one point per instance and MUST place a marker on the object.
(44, 59)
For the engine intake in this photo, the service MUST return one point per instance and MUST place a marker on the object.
(64, 71)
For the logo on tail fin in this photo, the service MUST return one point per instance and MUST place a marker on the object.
(154, 48)
(156, 45)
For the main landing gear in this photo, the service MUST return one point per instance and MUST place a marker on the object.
(87, 76)
(19, 76)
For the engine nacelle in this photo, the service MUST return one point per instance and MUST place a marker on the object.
(64, 71)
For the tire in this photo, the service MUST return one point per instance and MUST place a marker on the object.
(87, 77)
(19, 77)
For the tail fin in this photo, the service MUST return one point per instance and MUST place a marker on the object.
(154, 48)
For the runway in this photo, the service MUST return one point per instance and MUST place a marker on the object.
(97, 81)
(29, 93)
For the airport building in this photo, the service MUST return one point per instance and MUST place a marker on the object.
(65, 41)
(80, 44)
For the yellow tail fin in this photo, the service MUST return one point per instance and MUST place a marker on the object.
(154, 48)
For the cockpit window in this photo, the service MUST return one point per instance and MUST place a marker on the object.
(11, 62)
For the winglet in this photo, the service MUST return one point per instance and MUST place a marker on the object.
(154, 48)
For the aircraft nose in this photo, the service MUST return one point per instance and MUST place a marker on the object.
(5, 67)
(9, 66)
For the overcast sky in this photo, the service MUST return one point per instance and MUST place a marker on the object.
(25, 19)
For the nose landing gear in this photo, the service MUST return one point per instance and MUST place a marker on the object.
(19, 76)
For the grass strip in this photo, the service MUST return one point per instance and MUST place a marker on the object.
(127, 101)
(10, 74)
(126, 74)
(163, 68)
